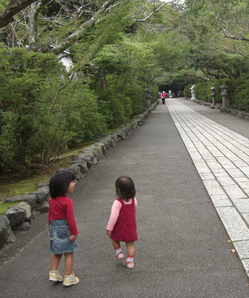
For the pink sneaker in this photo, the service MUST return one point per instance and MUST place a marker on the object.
(119, 256)
(129, 265)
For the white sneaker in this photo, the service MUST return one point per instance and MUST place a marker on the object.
(70, 280)
(55, 276)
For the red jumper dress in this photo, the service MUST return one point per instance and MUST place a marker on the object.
(125, 228)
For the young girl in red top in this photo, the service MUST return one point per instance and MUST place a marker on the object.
(122, 223)
(62, 226)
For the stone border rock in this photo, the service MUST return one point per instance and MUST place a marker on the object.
(31, 205)
(241, 114)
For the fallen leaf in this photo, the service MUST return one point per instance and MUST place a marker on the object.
(229, 240)
(233, 250)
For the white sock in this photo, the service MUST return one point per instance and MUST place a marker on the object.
(130, 259)
(118, 250)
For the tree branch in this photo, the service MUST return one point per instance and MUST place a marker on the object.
(13, 8)
(61, 87)
(150, 15)
(236, 38)
(82, 29)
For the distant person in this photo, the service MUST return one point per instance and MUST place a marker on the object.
(170, 94)
(62, 226)
(122, 223)
(163, 97)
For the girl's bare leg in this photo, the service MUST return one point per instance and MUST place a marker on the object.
(69, 263)
(55, 262)
(130, 248)
(115, 244)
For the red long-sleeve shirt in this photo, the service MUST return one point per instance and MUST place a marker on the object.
(62, 208)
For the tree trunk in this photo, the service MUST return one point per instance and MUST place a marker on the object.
(33, 21)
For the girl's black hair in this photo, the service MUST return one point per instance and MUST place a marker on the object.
(126, 188)
(59, 183)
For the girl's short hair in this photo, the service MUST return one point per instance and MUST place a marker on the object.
(59, 183)
(126, 188)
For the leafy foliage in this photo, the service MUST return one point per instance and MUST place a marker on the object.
(31, 129)
(203, 92)
(240, 94)
(187, 91)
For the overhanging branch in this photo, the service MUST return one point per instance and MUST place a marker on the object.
(150, 15)
(82, 29)
(236, 38)
(13, 8)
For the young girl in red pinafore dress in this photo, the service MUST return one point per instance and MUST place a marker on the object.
(122, 223)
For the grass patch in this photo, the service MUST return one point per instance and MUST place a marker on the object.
(5, 206)
(24, 181)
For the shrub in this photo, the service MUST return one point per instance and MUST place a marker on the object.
(34, 129)
(25, 77)
(186, 91)
(136, 92)
(122, 99)
(239, 94)
(203, 91)
(111, 107)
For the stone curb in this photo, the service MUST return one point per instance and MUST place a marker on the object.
(31, 205)
(241, 114)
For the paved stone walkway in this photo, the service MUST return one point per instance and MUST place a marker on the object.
(221, 158)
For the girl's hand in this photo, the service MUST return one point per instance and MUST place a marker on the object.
(72, 238)
(108, 233)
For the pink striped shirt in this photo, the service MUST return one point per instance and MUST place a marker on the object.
(116, 206)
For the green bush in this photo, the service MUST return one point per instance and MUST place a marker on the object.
(122, 99)
(154, 93)
(37, 127)
(112, 107)
(25, 78)
(239, 94)
(136, 92)
(44, 112)
(186, 91)
(203, 91)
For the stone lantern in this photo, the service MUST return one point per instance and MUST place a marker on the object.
(223, 93)
(192, 92)
(213, 95)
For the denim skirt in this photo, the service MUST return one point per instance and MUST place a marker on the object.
(58, 236)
